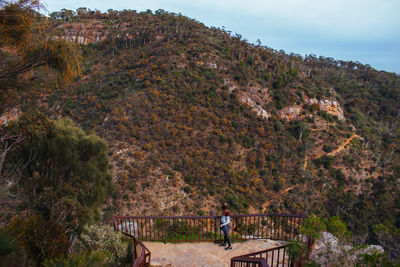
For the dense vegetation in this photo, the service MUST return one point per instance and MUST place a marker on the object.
(155, 92)
(166, 93)
(53, 176)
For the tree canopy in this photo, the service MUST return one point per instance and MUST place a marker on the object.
(67, 173)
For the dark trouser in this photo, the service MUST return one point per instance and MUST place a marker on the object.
(225, 230)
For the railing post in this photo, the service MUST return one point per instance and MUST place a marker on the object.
(114, 224)
(135, 248)
(215, 230)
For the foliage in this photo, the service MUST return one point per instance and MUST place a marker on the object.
(164, 92)
(40, 238)
(20, 30)
(325, 161)
(26, 47)
(8, 243)
(103, 238)
(337, 250)
(297, 249)
(389, 238)
(312, 227)
(183, 230)
(85, 258)
(167, 89)
(337, 227)
(67, 173)
(376, 259)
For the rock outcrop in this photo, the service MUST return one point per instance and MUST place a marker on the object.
(245, 99)
(328, 250)
(10, 115)
(290, 113)
(84, 34)
(330, 106)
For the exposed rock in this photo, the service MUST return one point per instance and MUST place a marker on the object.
(231, 85)
(290, 113)
(85, 34)
(212, 65)
(328, 250)
(245, 99)
(330, 106)
(10, 115)
(253, 97)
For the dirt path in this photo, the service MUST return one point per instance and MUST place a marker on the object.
(283, 192)
(202, 253)
(305, 163)
(341, 147)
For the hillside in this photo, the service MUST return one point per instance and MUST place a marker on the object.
(195, 116)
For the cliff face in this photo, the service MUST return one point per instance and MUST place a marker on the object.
(83, 33)
(95, 31)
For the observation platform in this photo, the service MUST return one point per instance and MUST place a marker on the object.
(257, 240)
(201, 254)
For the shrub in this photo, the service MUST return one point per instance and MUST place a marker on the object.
(325, 161)
(296, 249)
(103, 238)
(67, 174)
(85, 258)
(8, 243)
(248, 141)
(40, 238)
(186, 189)
(337, 227)
(339, 176)
(312, 227)
(12, 252)
(327, 148)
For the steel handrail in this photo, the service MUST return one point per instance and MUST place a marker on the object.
(262, 251)
(210, 217)
(142, 260)
(276, 251)
(241, 259)
(206, 228)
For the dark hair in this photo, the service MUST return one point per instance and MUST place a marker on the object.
(224, 206)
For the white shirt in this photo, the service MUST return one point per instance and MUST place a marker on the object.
(225, 220)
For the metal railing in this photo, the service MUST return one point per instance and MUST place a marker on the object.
(248, 262)
(141, 254)
(273, 257)
(206, 228)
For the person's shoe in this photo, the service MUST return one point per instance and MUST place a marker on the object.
(228, 248)
(222, 245)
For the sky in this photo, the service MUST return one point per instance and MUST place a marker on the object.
(367, 31)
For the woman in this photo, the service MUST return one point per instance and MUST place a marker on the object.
(225, 221)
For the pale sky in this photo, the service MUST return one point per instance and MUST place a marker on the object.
(367, 31)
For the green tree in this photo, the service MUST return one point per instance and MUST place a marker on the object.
(67, 174)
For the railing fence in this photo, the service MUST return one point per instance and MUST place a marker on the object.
(141, 254)
(206, 228)
(273, 257)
